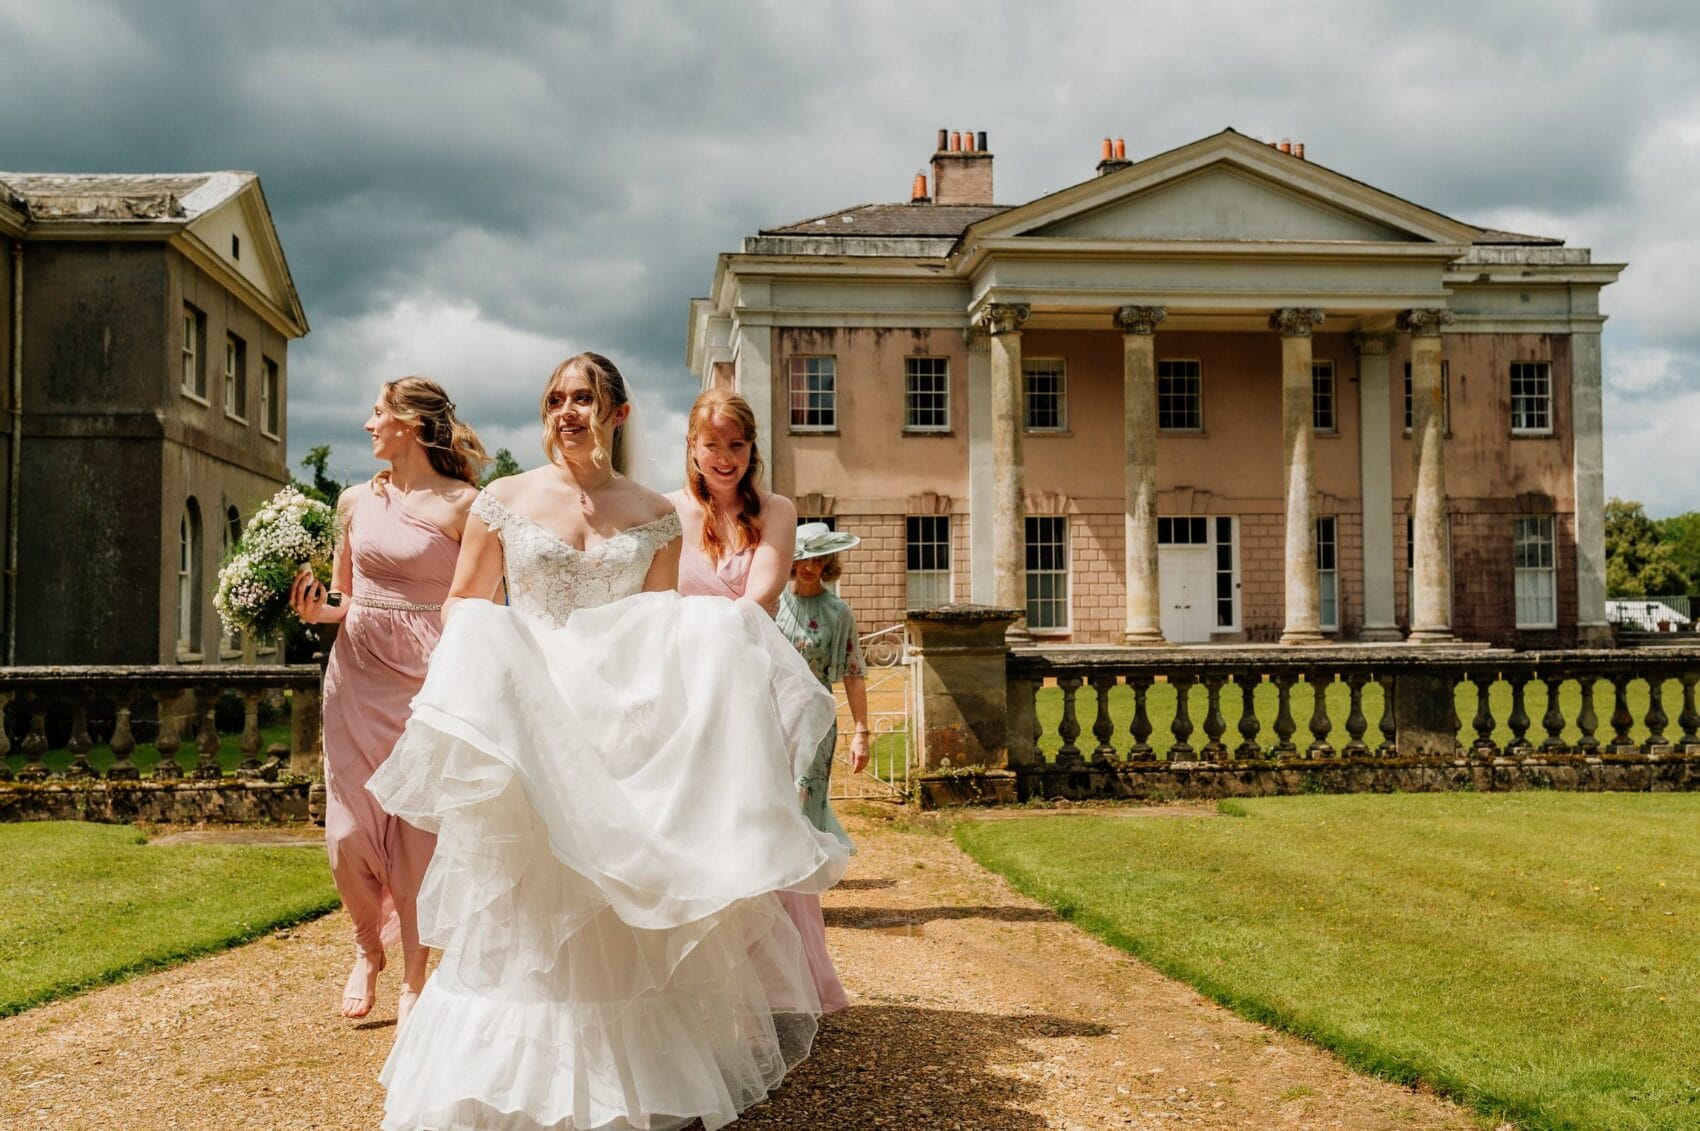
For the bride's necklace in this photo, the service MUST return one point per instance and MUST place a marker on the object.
(572, 481)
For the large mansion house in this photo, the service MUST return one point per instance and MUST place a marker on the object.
(1219, 394)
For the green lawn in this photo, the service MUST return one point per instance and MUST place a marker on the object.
(1160, 709)
(87, 904)
(1531, 954)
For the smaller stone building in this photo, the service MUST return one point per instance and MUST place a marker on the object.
(144, 325)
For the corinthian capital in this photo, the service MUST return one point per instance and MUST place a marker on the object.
(1002, 317)
(1425, 323)
(1295, 321)
(1140, 319)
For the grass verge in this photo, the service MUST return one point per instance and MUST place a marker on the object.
(90, 904)
(1531, 955)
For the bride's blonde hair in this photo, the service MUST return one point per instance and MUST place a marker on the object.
(608, 388)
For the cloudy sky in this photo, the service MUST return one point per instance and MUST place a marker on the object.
(476, 190)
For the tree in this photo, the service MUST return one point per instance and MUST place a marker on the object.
(1682, 534)
(323, 487)
(501, 467)
(1639, 563)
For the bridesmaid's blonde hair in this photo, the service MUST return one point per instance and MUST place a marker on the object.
(720, 404)
(451, 444)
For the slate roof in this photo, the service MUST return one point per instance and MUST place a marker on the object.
(945, 221)
(121, 197)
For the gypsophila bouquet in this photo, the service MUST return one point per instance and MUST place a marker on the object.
(290, 531)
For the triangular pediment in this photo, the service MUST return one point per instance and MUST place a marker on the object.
(1230, 188)
(239, 234)
(1223, 202)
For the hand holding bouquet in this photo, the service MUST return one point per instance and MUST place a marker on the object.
(290, 532)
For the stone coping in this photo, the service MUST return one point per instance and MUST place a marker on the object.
(151, 676)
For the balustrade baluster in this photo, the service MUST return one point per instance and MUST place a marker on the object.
(1102, 728)
(1389, 721)
(123, 741)
(1553, 720)
(35, 741)
(168, 741)
(206, 742)
(250, 743)
(5, 738)
(1140, 726)
(1319, 723)
(1588, 742)
(1069, 727)
(1689, 719)
(1656, 720)
(1181, 728)
(1250, 724)
(79, 743)
(1519, 746)
(1023, 723)
(1621, 719)
(1356, 723)
(1214, 724)
(1285, 727)
(1483, 746)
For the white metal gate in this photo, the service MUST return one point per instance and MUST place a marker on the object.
(887, 776)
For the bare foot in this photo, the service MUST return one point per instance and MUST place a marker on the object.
(413, 979)
(404, 1003)
(362, 988)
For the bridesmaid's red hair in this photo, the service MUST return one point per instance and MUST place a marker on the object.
(719, 404)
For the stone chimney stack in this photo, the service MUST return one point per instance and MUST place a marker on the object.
(962, 174)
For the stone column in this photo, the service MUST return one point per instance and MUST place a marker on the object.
(1002, 323)
(960, 704)
(1431, 572)
(1139, 450)
(1589, 469)
(982, 471)
(1375, 465)
(1298, 445)
(755, 385)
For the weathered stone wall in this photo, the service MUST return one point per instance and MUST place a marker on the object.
(187, 802)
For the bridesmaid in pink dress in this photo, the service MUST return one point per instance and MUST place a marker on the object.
(401, 534)
(738, 543)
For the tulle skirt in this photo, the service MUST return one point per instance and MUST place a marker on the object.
(615, 807)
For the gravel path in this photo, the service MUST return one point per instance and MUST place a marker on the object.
(975, 1008)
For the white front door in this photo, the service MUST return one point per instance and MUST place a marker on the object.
(1186, 587)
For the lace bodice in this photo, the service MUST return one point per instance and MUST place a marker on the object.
(548, 578)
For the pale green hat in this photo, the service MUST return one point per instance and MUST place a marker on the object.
(817, 539)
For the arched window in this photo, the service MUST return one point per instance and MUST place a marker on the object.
(232, 533)
(189, 578)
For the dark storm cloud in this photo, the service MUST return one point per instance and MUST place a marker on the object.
(472, 189)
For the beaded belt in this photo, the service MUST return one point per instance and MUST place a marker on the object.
(398, 606)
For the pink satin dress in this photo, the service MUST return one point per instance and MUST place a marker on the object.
(402, 569)
(701, 577)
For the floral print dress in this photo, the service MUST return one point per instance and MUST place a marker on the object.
(824, 630)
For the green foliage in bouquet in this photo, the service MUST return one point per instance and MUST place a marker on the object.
(290, 531)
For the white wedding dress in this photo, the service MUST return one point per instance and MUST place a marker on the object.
(611, 775)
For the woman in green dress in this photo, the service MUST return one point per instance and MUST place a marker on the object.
(823, 628)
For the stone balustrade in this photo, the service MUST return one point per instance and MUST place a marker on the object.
(77, 709)
(1226, 721)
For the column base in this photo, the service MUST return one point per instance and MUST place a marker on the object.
(1144, 638)
(1302, 636)
(1595, 636)
(1431, 636)
(1380, 634)
(1017, 633)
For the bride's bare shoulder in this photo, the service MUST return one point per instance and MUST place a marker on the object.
(653, 504)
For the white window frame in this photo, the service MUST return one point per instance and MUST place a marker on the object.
(271, 398)
(193, 378)
(936, 577)
(1062, 573)
(1526, 404)
(1053, 367)
(1328, 577)
(1445, 398)
(941, 367)
(804, 368)
(1539, 532)
(189, 585)
(1323, 386)
(1232, 524)
(1196, 376)
(235, 378)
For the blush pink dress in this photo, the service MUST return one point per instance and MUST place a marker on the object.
(402, 569)
(699, 576)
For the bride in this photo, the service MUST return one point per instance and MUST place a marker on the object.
(609, 770)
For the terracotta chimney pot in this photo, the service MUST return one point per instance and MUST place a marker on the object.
(1108, 149)
(956, 141)
(918, 192)
(1286, 146)
(1299, 150)
(1121, 149)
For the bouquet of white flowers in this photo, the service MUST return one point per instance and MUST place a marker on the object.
(290, 531)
